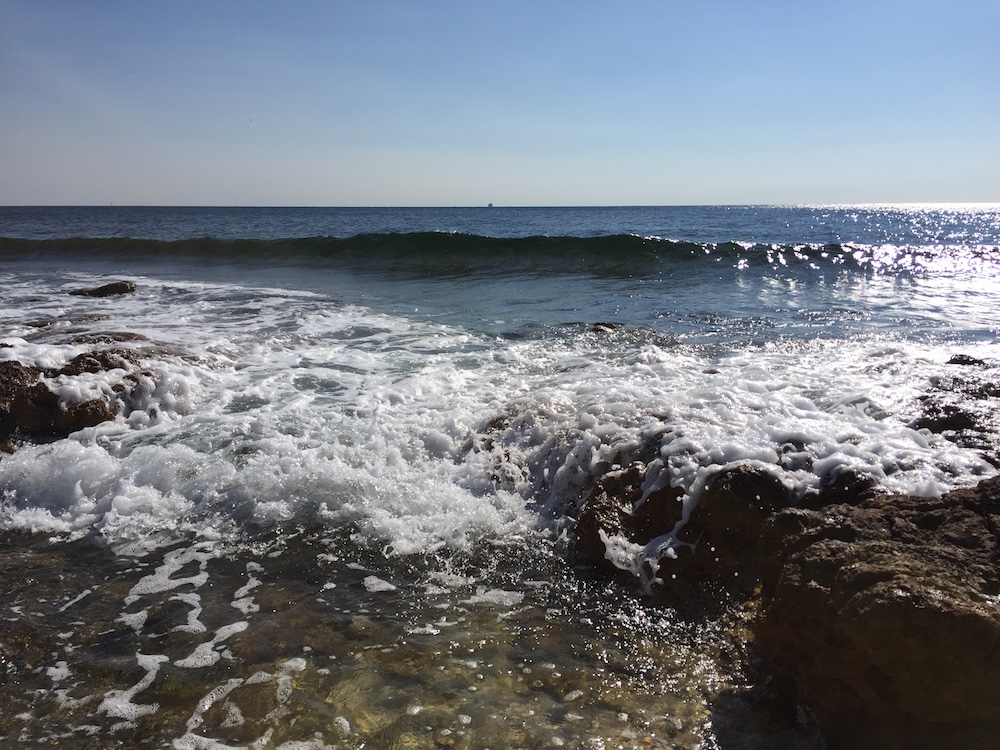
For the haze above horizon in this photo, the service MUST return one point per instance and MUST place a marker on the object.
(464, 103)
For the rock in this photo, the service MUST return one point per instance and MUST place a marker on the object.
(100, 360)
(965, 359)
(603, 327)
(884, 617)
(33, 411)
(15, 378)
(964, 408)
(730, 514)
(940, 418)
(107, 337)
(609, 508)
(723, 535)
(107, 290)
(30, 410)
(878, 615)
(727, 529)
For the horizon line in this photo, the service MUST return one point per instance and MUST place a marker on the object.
(486, 207)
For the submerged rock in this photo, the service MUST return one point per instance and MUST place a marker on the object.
(107, 337)
(963, 405)
(966, 360)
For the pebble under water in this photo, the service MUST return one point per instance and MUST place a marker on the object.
(300, 641)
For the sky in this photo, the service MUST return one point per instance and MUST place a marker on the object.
(547, 102)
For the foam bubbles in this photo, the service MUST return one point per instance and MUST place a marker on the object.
(496, 597)
(267, 407)
(118, 703)
(374, 584)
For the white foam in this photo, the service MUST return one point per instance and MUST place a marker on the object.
(78, 598)
(311, 412)
(59, 672)
(210, 699)
(164, 577)
(375, 584)
(242, 599)
(496, 597)
(193, 624)
(118, 703)
(134, 620)
(206, 654)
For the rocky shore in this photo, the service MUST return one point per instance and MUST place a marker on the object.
(29, 407)
(884, 616)
(31, 410)
(877, 616)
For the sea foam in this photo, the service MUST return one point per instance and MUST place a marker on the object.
(423, 436)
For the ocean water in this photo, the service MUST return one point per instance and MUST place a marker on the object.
(335, 508)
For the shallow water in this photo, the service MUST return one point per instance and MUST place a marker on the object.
(301, 638)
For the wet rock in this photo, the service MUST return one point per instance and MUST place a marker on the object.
(107, 290)
(79, 416)
(29, 410)
(939, 418)
(100, 360)
(883, 617)
(108, 337)
(730, 515)
(965, 359)
(965, 408)
(727, 526)
(845, 487)
(724, 533)
(609, 508)
(878, 614)
(15, 379)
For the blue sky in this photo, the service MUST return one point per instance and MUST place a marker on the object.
(515, 103)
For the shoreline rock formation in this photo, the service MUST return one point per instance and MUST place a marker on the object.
(30, 410)
(878, 614)
(885, 617)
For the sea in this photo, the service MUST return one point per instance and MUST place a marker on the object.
(336, 506)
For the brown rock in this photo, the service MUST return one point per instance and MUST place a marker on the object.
(610, 508)
(107, 290)
(727, 527)
(78, 416)
(35, 412)
(30, 410)
(885, 617)
(100, 360)
(723, 535)
(14, 379)
(879, 614)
